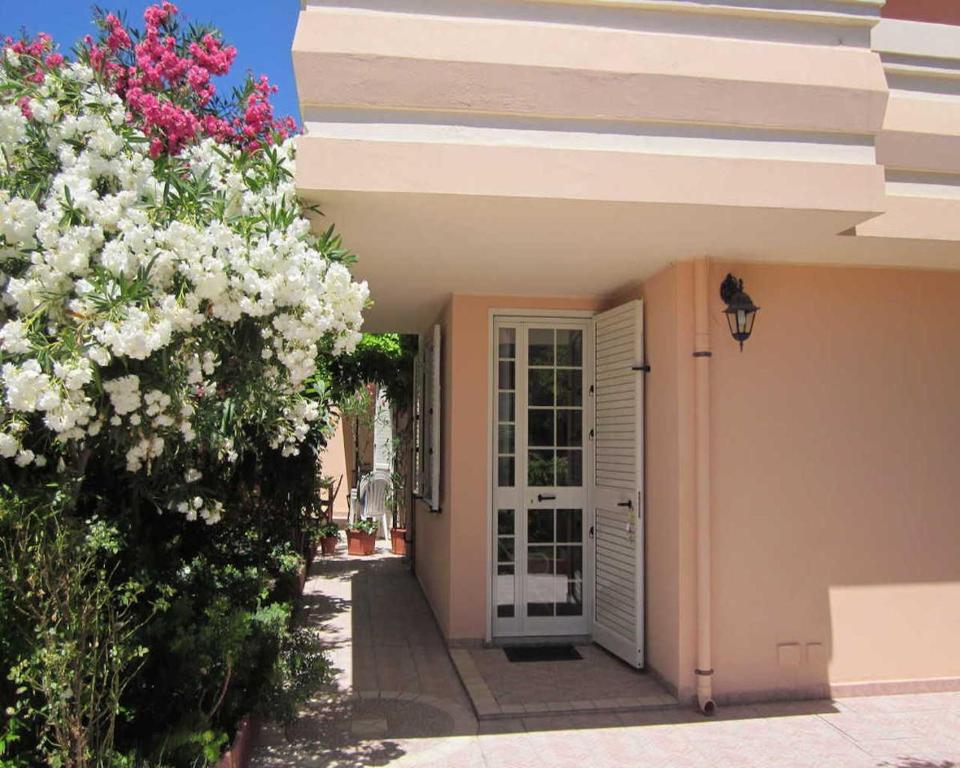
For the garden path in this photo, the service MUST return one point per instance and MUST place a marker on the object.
(397, 701)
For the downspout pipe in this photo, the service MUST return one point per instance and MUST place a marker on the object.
(702, 353)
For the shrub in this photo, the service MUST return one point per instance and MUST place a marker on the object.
(167, 332)
(162, 314)
(79, 621)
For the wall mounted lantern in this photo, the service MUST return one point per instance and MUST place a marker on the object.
(740, 311)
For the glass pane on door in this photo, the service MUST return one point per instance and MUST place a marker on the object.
(506, 563)
(554, 562)
(569, 600)
(506, 408)
(555, 407)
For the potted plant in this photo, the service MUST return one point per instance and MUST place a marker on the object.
(329, 533)
(398, 532)
(362, 536)
(398, 541)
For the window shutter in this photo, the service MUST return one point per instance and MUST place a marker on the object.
(430, 485)
(618, 619)
(433, 415)
(418, 424)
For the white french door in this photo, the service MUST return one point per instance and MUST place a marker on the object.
(542, 581)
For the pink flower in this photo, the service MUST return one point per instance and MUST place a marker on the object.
(199, 81)
(212, 56)
(172, 68)
(168, 93)
(155, 15)
(35, 49)
(117, 37)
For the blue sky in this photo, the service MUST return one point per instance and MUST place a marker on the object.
(262, 31)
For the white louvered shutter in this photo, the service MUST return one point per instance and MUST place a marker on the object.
(431, 418)
(418, 425)
(618, 522)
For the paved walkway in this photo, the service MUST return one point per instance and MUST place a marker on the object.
(397, 701)
(598, 682)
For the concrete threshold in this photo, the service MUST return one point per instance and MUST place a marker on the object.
(486, 706)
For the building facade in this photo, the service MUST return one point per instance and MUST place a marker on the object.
(561, 187)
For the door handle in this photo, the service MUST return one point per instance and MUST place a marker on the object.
(627, 504)
(545, 497)
(591, 532)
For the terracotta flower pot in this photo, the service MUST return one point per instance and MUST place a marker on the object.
(360, 543)
(328, 544)
(238, 756)
(398, 540)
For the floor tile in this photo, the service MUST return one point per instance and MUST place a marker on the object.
(414, 712)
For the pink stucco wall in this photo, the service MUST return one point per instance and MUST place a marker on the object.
(936, 11)
(433, 544)
(452, 564)
(834, 481)
(669, 478)
(334, 463)
(433, 62)
(834, 477)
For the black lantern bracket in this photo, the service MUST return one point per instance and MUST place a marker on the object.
(729, 288)
(741, 311)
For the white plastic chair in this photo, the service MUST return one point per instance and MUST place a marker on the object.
(373, 492)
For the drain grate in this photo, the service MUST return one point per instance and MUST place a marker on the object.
(542, 653)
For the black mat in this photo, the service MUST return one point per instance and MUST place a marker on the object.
(541, 653)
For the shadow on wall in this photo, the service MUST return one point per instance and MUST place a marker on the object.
(910, 762)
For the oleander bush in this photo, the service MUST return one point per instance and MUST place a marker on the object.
(168, 329)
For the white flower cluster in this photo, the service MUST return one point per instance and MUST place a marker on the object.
(295, 426)
(13, 127)
(198, 507)
(120, 304)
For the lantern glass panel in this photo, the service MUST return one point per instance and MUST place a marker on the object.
(731, 323)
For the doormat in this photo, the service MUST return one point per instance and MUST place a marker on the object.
(542, 653)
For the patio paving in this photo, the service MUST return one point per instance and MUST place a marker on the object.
(598, 682)
(397, 701)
